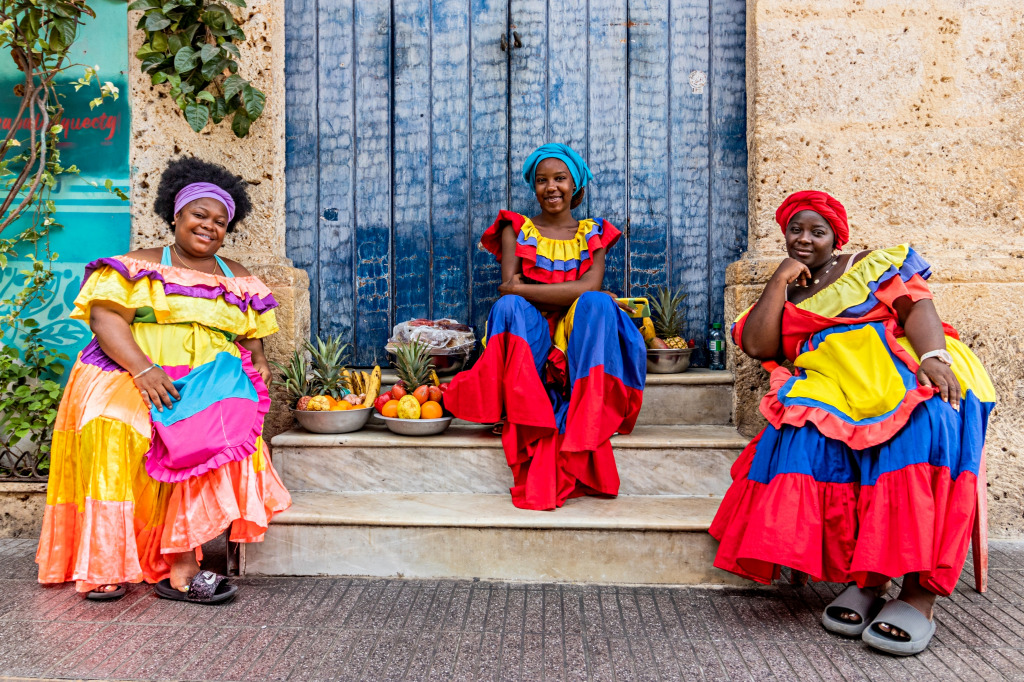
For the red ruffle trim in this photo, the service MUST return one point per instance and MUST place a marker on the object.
(916, 519)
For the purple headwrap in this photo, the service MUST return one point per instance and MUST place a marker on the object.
(201, 190)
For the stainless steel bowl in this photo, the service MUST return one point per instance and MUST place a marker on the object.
(668, 360)
(334, 421)
(416, 427)
(446, 363)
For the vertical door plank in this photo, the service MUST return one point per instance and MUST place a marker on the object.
(489, 146)
(411, 180)
(450, 169)
(688, 194)
(567, 74)
(729, 148)
(336, 133)
(528, 88)
(302, 167)
(372, 28)
(606, 129)
(649, 173)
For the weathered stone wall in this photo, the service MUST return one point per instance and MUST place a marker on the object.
(159, 133)
(912, 114)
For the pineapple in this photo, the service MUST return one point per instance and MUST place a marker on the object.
(412, 364)
(668, 319)
(295, 380)
(329, 366)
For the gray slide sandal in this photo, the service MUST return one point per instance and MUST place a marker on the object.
(901, 615)
(862, 602)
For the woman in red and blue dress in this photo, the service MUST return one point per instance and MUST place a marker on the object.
(563, 363)
(868, 467)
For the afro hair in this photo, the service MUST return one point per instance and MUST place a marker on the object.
(187, 170)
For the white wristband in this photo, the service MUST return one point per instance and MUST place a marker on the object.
(136, 376)
(941, 354)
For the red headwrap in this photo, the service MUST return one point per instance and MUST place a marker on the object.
(824, 205)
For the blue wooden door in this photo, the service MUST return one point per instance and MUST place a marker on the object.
(408, 123)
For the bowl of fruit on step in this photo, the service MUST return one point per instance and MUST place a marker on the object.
(329, 398)
(414, 406)
(668, 352)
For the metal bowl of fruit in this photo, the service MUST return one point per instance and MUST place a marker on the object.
(416, 427)
(333, 421)
(668, 360)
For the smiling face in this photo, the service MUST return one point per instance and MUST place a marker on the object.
(809, 239)
(200, 226)
(554, 186)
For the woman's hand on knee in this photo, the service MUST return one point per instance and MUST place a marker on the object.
(156, 388)
(934, 372)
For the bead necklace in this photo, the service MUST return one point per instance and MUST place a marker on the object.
(834, 261)
(181, 260)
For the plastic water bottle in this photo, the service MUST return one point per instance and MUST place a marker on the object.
(716, 346)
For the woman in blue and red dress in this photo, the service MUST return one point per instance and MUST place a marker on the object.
(563, 363)
(868, 467)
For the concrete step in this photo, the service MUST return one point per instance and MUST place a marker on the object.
(629, 539)
(696, 396)
(653, 460)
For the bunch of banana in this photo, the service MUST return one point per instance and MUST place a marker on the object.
(372, 387)
(362, 383)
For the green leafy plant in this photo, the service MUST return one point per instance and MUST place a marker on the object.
(30, 394)
(190, 45)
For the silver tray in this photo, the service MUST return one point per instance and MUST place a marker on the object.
(668, 360)
(416, 427)
(333, 421)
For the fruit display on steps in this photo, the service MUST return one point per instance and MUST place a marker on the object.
(668, 319)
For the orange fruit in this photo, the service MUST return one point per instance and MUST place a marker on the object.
(431, 410)
(342, 406)
(390, 409)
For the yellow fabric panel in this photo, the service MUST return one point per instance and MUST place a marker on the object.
(740, 316)
(258, 461)
(851, 371)
(967, 368)
(100, 462)
(852, 287)
(107, 284)
(181, 344)
(564, 328)
(560, 249)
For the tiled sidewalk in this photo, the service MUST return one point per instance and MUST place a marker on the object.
(366, 629)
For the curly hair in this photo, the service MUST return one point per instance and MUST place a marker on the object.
(187, 170)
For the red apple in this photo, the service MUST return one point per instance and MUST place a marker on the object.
(381, 400)
(434, 393)
(398, 391)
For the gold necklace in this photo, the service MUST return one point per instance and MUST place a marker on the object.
(182, 261)
(834, 261)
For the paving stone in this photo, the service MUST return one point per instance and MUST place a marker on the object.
(374, 629)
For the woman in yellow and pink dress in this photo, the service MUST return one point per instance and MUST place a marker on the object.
(868, 467)
(563, 364)
(158, 445)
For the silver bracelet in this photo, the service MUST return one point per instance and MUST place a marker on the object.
(940, 354)
(136, 376)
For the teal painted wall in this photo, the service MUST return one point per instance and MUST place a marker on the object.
(96, 223)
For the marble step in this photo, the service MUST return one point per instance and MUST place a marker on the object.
(653, 460)
(636, 540)
(696, 396)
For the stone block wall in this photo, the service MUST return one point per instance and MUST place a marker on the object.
(910, 112)
(160, 133)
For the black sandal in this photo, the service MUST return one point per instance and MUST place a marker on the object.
(101, 595)
(206, 587)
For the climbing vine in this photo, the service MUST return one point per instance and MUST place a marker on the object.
(191, 46)
(38, 36)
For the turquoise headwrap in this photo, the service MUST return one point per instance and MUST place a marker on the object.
(581, 174)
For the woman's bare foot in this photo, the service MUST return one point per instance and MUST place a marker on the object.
(879, 591)
(107, 588)
(183, 568)
(917, 596)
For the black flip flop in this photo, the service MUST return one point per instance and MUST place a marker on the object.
(99, 595)
(206, 587)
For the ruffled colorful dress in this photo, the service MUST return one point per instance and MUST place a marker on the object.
(862, 474)
(563, 382)
(129, 485)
